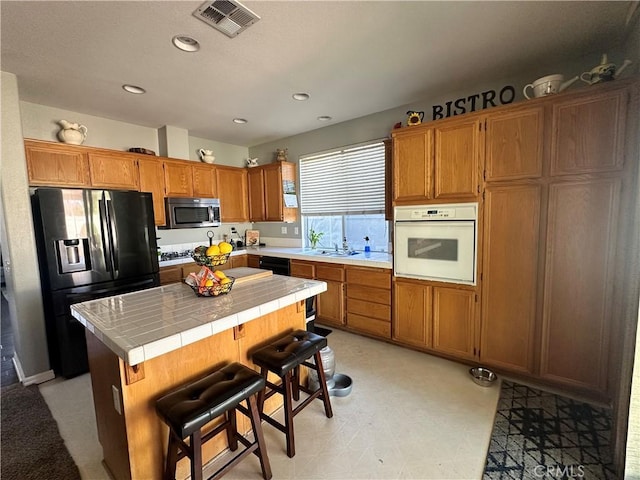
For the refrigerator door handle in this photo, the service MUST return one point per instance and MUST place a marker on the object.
(104, 231)
(113, 237)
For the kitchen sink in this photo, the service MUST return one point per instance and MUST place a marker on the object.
(333, 253)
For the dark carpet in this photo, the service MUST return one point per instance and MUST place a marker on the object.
(539, 435)
(31, 445)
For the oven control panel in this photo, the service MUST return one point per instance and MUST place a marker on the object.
(460, 211)
(433, 213)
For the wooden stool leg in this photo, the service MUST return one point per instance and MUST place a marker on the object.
(196, 461)
(323, 385)
(172, 458)
(232, 430)
(295, 382)
(288, 414)
(261, 394)
(259, 436)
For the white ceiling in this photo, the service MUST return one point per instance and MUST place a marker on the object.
(353, 57)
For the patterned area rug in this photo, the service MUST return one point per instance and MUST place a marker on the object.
(539, 435)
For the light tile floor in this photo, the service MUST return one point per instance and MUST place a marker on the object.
(409, 416)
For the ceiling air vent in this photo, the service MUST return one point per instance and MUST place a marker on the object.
(230, 17)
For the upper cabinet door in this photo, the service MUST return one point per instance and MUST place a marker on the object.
(273, 203)
(412, 165)
(204, 181)
(514, 144)
(457, 150)
(56, 165)
(588, 133)
(152, 180)
(113, 171)
(178, 179)
(233, 193)
(255, 177)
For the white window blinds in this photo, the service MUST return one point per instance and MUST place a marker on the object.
(343, 182)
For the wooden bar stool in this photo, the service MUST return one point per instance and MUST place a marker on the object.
(284, 358)
(190, 407)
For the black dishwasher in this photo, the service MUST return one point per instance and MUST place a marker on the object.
(280, 266)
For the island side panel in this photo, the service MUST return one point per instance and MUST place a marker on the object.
(104, 366)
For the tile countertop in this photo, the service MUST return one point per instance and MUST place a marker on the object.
(374, 259)
(142, 325)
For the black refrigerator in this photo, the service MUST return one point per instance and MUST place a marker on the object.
(91, 244)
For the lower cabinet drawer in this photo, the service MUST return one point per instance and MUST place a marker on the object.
(369, 294)
(368, 309)
(379, 328)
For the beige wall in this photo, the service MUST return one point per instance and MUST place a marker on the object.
(18, 243)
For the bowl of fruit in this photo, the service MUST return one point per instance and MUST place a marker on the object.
(213, 255)
(209, 283)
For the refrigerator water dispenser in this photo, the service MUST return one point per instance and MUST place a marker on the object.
(72, 255)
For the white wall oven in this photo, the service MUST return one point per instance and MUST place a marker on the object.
(436, 242)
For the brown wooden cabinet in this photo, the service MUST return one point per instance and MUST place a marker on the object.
(266, 192)
(456, 159)
(514, 144)
(554, 173)
(412, 165)
(437, 162)
(113, 170)
(171, 274)
(231, 183)
(510, 276)
(151, 179)
(255, 181)
(330, 304)
(56, 165)
(302, 269)
(368, 300)
(454, 322)
(178, 178)
(412, 306)
(204, 181)
(441, 319)
(588, 133)
(578, 283)
(253, 261)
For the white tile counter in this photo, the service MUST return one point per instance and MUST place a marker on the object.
(373, 259)
(142, 325)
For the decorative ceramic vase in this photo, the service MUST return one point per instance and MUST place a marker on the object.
(72, 133)
(206, 156)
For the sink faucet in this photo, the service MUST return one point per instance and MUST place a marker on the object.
(336, 245)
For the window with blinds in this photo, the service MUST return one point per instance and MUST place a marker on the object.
(349, 181)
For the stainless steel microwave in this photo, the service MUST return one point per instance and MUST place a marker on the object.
(192, 212)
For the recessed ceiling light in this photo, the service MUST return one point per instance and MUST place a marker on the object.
(134, 89)
(240, 120)
(324, 118)
(300, 96)
(186, 43)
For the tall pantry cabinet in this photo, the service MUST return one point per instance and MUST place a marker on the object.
(553, 177)
(552, 195)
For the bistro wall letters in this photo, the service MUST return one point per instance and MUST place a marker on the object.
(474, 102)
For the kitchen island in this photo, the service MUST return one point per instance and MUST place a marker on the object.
(143, 344)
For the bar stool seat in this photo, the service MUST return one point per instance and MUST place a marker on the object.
(192, 406)
(284, 358)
